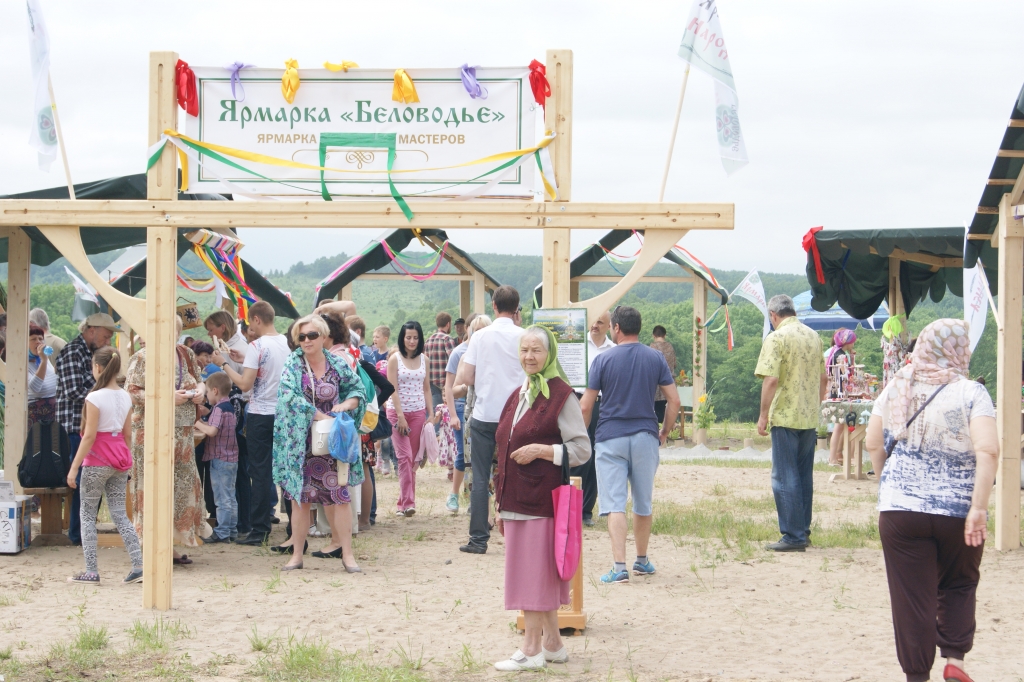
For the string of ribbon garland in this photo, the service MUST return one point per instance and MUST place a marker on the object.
(290, 80)
(220, 254)
(343, 66)
(236, 79)
(221, 153)
(400, 263)
(404, 90)
(185, 86)
(472, 85)
(539, 83)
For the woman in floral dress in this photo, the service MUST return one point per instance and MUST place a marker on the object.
(188, 489)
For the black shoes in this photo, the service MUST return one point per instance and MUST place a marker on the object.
(336, 554)
(470, 548)
(213, 539)
(255, 539)
(289, 549)
(783, 546)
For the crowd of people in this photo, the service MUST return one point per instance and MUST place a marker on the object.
(251, 402)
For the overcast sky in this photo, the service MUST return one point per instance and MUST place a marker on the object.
(856, 114)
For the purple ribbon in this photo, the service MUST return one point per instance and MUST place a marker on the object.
(236, 79)
(472, 85)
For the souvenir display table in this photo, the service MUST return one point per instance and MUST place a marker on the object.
(852, 417)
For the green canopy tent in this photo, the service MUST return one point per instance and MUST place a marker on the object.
(375, 263)
(862, 268)
(103, 239)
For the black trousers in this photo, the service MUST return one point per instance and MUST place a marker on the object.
(259, 433)
(204, 476)
(243, 486)
(933, 582)
(588, 470)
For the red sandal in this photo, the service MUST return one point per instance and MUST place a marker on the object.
(951, 673)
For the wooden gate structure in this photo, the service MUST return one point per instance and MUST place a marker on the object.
(59, 220)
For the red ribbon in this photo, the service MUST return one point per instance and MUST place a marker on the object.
(185, 79)
(810, 245)
(539, 82)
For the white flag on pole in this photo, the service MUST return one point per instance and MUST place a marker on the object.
(975, 302)
(44, 133)
(82, 290)
(704, 46)
(752, 289)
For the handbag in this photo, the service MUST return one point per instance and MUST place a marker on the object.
(320, 429)
(568, 505)
(889, 448)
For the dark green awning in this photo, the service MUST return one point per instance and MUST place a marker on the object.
(103, 239)
(855, 264)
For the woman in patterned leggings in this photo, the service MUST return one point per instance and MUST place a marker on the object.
(105, 458)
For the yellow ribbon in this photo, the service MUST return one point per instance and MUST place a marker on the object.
(344, 66)
(404, 90)
(273, 161)
(290, 81)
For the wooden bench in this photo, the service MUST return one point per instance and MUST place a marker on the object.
(54, 515)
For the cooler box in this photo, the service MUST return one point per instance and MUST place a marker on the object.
(15, 525)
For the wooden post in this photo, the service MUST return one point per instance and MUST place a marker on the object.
(700, 339)
(465, 299)
(895, 300)
(574, 291)
(162, 257)
(346, 293)
(480, 294)
(1008, 358)
(19, 253)
(558, 118)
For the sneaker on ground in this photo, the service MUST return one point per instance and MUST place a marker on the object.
(314, 532)
(453, 503)
(521, 661)
(400, 512)
(643, 569)
(410, 511)
(560, 656)
(614, 576)
(86, 577)
(134, 577)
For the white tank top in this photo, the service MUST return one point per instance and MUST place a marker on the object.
(410, 385)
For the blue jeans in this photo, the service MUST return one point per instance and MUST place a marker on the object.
(460, 458)
(222, 478)
(75, 524)
(793, 481)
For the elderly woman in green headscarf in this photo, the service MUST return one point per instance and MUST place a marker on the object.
(540, 427)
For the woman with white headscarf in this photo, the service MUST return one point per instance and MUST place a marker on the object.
(932, 435)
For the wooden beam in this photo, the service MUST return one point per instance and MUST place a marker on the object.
(979, 237)
(574, 290)
(923, 258)
(161, 289)
(346, 293)
(998, 182)
(700, 340)
(465, 299)
(480, 295)
(988, 210)
(1018, 189)
(1015, 123)
(1010, 153)
(647, 278)
(558, 118)
(895, 296)
(497, 215)
(19, 253)
(1008, 396)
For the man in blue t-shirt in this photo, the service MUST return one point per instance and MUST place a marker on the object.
(628, 437)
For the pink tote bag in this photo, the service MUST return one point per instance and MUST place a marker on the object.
(568, 504)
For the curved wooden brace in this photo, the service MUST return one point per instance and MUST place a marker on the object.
(656, 244)
(68, 240)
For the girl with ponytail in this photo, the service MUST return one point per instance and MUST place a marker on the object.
(105, 458)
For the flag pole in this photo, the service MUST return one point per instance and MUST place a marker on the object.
(675, 129)
(60, 138)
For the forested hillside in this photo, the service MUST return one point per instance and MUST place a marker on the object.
(731, 373)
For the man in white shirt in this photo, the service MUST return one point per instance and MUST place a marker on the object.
(492, 367)
(597, 343)
(262, 364)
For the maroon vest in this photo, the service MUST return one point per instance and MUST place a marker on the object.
(526, 489)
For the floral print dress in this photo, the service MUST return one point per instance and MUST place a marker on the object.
(188, 488)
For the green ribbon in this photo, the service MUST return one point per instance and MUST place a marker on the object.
(376, 140)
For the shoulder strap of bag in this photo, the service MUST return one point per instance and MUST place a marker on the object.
(565, 465)
(888, 450)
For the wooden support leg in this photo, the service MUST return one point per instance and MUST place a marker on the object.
(19, 250)
(465, 300)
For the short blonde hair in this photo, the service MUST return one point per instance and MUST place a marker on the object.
(478, 323)
(315, 320)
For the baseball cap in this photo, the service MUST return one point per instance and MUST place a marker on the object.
(459, 321)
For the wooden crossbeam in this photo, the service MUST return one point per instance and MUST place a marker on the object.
(446, 277)
(935, 262)
(497, 215)
(618, 278)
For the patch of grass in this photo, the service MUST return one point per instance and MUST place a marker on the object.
(736, 464)
(5, 600)
(406, 658)
(421, 536)
(847, 535)
(468, 662)
(158, 635)
(83, 653)
(262, 644)
(7, 654)
(718, 490)
(273, 582)
(301, 660)
(91, 638)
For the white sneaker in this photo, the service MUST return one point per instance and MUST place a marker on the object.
(314, 532)
(453, 503)
(521, 661)
(560, 656)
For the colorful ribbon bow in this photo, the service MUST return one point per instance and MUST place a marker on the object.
(810, 245)
(344, 66)
(236, 79)
(185, 80)
(539, 82)
(290, 81)
(472, 85)
(404, 90)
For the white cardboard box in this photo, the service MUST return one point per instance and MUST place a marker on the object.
(6, 491)
(15, 525)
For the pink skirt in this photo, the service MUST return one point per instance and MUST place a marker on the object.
(109, 450)
(531, 576)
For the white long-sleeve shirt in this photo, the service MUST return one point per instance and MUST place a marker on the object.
(41, 388)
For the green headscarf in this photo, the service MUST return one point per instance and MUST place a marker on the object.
(550, 370)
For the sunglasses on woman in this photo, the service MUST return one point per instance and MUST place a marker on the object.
(312, 336)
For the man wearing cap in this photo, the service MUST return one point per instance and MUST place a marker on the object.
(74, 381)
(460, 331)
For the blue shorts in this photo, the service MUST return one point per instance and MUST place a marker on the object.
(633, 459)
(460, 460)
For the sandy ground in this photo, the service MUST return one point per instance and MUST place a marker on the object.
(821, 615)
